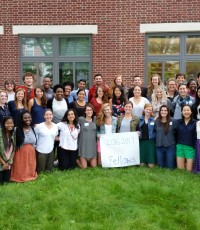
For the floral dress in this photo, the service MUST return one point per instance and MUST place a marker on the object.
(118, 108)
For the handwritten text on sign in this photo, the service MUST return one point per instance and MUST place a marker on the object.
(119, 149)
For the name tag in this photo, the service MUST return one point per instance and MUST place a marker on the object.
(86, 124)
(170, 123)
(151, 123)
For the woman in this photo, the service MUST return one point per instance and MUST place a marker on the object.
(68, 147)
(159, 98)
(79, 105)
(181, 100)
(87, 140)
(147, 137)
(24, 162)
(4, 110)
(197, 150)
(165, 139)
(128, 122)
(6, 148)
(192, 88)
(106, 124)
(37, 106)
(58, 104)
(46, 133)
(186, 138)
(18, 105)
(118, 81)
(153, 84)
(100, 97)
(138, 101)
(196, 105)
(117, 101)
(171, 89)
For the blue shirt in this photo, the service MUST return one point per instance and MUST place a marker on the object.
(186, 134)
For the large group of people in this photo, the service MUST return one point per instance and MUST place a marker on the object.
(41, 125)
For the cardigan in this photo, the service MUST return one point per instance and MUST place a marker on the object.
(134, 123)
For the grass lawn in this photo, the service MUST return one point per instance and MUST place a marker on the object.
(122, 198)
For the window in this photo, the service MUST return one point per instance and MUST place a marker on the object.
(64, 58)
(168, 54)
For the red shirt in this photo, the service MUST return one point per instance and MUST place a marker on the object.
(96, 105)
(92, 91)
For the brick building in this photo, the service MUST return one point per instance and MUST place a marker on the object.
(73, 39)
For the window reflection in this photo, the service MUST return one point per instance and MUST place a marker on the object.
(193, 44)
(163, 45)
(37, 47)
(192, 68)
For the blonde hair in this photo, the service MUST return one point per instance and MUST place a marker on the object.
(150, 87)
(101, 117)
(154, 96)
(4, 91)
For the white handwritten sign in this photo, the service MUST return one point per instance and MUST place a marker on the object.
(120, 149)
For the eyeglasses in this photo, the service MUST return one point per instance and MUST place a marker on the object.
(9, 83)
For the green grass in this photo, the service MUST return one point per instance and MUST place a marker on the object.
(123, 198)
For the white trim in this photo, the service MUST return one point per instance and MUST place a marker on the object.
(55, 29)
(1, 30)
(170, 27)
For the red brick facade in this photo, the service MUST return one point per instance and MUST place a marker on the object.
(118, 48)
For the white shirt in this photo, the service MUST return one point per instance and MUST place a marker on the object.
(198, 129)
(108, 129)
(68, 138)
(11, 96)
(59, 108)
(45, 137)
(139, 107)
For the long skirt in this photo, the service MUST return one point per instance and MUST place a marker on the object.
(24, 164)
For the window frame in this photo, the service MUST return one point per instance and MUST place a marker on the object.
(55, 59)
(182, 58)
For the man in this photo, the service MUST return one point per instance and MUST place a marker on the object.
(98, 81)
(67, 91)
(47, 87)
(9, 86)
(28, 79)
(180, 78)
(81, 85)
(137, 80)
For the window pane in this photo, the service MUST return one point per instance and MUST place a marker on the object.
(154, 67)
(29, 67)
(193, 44)
(163, 45)
(81, 72)
(38, 47)
(171, 69)
(192, 68)
(73, 46)
(65, 72)
(45, 68)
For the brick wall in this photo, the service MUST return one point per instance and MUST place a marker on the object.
(118, 48)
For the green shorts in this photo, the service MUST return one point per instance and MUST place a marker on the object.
(185, 151)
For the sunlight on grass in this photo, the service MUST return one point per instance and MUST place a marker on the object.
(123, 198)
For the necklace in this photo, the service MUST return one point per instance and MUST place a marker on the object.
(26, 129)
(73, 132)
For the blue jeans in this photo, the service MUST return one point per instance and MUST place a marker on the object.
(166, 156)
